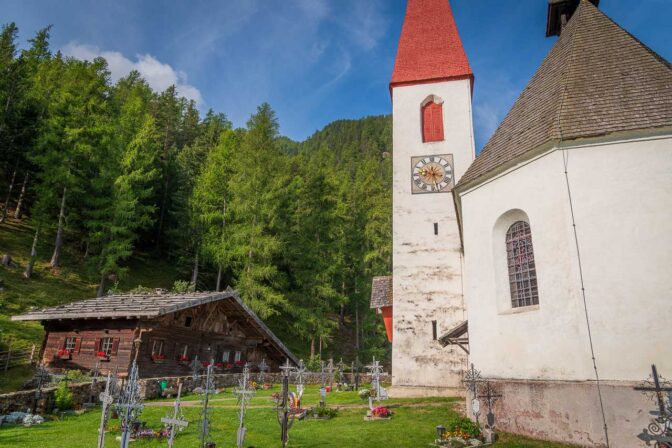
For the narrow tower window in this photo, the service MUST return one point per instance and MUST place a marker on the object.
(436, 228)
(432, 120)
(434, 331)
(522, 271)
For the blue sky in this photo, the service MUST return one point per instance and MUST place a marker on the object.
(314, 61)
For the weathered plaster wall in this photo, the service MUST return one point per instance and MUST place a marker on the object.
(623, 209)
(569, 412)
(427, 268)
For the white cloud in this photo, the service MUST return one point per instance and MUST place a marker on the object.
(158, 75)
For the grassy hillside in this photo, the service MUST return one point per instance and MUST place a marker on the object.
(50, 287)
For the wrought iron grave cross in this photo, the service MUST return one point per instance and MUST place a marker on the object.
(130, 404)
(176, 423)
(244, 395)
(195, 369)
(660, 428)
(471, 380)
(375, 369)
(106, 400)
(300, 371)
(285, 416)
(42, 376)
(263, 368)
(95, 372)
(490, 395)
(330, 371)
(208, 389)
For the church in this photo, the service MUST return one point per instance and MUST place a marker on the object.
(546, 260)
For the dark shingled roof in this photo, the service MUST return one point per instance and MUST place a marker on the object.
(598, 79)
(154, 305)
(381, 292)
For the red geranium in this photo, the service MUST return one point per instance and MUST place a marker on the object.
(183, 358)
(228, 366)
(381, 411)
(205, 363)
(64, 352)
(101, 354)
(218, 364)
(157, 357)
(240, 363)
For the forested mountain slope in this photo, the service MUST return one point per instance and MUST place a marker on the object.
(114, 186)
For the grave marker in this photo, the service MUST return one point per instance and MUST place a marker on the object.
(285, 417)
(208, 388)
(244, 396)
(177, 420)
(130, 405)
(106, 399)
(660, 428)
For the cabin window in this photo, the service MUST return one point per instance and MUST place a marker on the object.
(522, 270)
(70, 344)
(106, 346)
(187, 321)
(432, 120)
(226, 355)
(157, 347)
(238, 356)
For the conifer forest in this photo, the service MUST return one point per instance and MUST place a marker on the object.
(108, 171)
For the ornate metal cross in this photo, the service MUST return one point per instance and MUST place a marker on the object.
(42, 376)
(94, 381)
(375, 369)
(299, 372)
(263, 368)
(244, 395)
(285, 416)
(195, 369)
(208, 389)
(660, 428)
(490, 395)
(176, 423)
(341, 370)
(130, 405)
(322, 378)
(355, 373)
(471, 380)
(106, 400)
(330, 371)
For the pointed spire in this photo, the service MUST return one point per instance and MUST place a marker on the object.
(430, 49)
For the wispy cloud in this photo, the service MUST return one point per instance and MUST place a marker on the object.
(158, 75)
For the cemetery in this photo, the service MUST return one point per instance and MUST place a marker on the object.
(336, 406)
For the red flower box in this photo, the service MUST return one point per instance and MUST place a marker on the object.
(205, 364)
(64, 353)
(158, 358)
(183, 358)
(240, 363)
(218, 364)
(103, 356)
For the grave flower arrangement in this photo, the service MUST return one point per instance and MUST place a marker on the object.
(381, 412)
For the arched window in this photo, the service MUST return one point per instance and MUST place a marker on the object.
(432, 120)
(522, 273)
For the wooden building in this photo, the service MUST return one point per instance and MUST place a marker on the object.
(164, 332)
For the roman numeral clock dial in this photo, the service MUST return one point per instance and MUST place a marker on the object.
(432, 174)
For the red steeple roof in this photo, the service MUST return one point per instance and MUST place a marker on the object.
(430, 48)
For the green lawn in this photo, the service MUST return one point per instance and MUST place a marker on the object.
(412, 425)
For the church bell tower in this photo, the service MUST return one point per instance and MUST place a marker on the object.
(431, 91)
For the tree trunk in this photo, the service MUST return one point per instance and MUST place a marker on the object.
(219, 279)
(341, 320)
(56, 257)
(194, 273)
(102, 285)
(162, 213)
(17, 212)
(5, 207)
(33, 255)
(357, 328)
(320, 347)
(312, 347)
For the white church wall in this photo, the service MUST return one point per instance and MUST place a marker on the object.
(623, 209)
(427, 273)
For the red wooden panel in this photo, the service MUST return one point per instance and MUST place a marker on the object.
(115, 346)
(78, 344)
(432, 122)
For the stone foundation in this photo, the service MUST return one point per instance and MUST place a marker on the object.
(566, 411)
(25, 399)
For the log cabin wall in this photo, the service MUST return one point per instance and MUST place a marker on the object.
(204, 331)
(85, 338)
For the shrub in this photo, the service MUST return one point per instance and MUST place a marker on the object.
(182, 287)
(323, 411)
(76, 376)
(313, 364)
(63, 397)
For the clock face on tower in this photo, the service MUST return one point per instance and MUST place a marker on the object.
(432, 174)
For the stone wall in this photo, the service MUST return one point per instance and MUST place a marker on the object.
(149, 387)
(25, 399)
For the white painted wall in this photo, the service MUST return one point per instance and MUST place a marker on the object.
(427, 269)
(622, 196)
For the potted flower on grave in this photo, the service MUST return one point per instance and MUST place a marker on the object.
(64, 354)
(381, 412)
(183, 360)
(103, 356)
(461, 432)
(158, 358)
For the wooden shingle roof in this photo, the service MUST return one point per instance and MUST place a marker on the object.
(154, 305)
(381, 292)
(598, 79)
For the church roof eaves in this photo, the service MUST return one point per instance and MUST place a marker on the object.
(597, 80)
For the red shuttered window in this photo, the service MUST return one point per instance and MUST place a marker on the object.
(432, 122)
